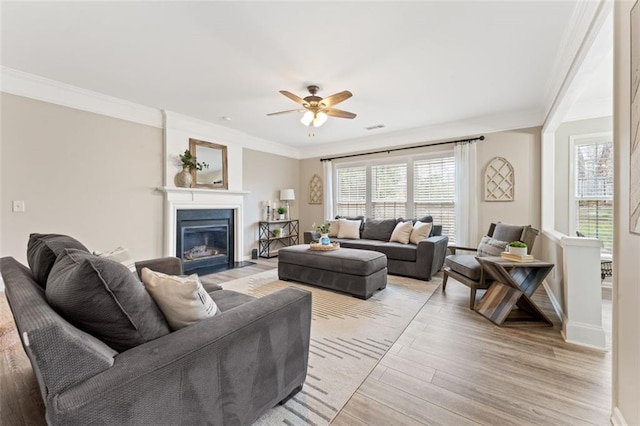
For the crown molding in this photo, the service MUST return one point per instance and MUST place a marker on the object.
(174, 120)
(43, 89)
(452, 130)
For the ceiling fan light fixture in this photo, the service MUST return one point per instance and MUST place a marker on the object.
(320, 119)
(307, 118)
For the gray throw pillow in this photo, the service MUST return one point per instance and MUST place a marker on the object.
(105, 299)
(508, 233)
(379, 229)
(42, 251)
(491, 247)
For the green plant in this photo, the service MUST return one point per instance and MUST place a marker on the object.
(190, 161)
(517, 244)
(281, 210)
(324, 228)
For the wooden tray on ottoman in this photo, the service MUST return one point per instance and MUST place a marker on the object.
(322, 247)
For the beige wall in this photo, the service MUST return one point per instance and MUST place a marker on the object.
(520, 147)
(562, 165)
(626, 286)
(79, 173)
(264, 175)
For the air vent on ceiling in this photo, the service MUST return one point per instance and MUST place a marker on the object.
(377, 126)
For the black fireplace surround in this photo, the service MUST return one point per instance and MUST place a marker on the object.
(205, 239)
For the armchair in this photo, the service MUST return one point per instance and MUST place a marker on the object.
(466, 269)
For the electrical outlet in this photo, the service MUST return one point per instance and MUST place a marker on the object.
(18, 207)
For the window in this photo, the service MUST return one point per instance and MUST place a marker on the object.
(593, 189)
(389, 191)
(403, 187)
(434, 192)
(351, 191)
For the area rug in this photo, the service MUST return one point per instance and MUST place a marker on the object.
(348, 338)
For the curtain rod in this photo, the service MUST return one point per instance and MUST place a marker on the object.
(479, 138)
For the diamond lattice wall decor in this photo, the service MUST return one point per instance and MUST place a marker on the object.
(315, 190)
(499, 182)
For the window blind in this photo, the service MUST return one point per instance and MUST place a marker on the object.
(389, 190)
(594, 192)
(434, 192)
(351, 191)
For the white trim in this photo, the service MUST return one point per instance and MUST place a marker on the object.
(588, 336)
(170, 189)
(617, 419)
(43, 89)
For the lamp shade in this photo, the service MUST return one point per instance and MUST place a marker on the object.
(287, 195)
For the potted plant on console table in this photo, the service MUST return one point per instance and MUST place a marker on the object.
(281, 212)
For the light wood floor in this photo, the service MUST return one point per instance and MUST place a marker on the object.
(450, 366)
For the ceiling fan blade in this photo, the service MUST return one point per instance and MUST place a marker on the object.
(287, 112)
(294, 98)
(334, 112)
(336, 98)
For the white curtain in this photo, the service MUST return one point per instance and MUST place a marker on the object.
(466, 194)
(327, 200)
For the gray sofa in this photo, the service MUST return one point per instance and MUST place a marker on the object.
(421, 261)
(227, 369)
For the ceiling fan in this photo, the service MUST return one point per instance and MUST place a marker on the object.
(316, 109)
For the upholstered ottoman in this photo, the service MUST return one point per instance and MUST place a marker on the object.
(357, 272)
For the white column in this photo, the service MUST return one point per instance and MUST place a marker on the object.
(582, 324)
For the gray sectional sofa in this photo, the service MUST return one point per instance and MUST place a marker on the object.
(419, 261)
(226, 369)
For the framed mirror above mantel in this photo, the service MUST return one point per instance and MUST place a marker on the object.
(215, 156)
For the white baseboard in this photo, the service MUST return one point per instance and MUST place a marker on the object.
(617, 419)
(586, 335)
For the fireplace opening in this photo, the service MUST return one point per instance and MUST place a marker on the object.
(205, 240)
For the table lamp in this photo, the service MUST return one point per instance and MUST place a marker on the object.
(287, 195)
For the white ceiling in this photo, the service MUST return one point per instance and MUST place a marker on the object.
(409, 64)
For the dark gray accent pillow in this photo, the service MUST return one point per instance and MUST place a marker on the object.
(42, 251)
(103, 298)
(378, 229)
(508, 233)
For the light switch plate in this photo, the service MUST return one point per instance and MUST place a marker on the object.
(18, 207)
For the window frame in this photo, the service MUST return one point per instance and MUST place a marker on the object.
(409, 160)
(574, 142)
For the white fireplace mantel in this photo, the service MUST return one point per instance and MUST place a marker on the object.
(201, 198)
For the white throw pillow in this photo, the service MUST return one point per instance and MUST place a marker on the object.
(402, 232)
(420, 231)
(120, 255)
(182, 300)
(491, 247)
(349, 229)
(334, 228)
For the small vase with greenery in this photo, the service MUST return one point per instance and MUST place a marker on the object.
(189, 162)
(518, 248)
(281, 211)
(324, 233)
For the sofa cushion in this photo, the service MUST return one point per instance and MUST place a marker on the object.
(464, 264)
(398, 251)
(508, 233)
(402, 232)
(42, 251)
(359, 244)
(491, 247)
(378, 229)
(227, 299)
(182, 299)
(334, 227)
(420, 231)
(105, 299)
(349, 229)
